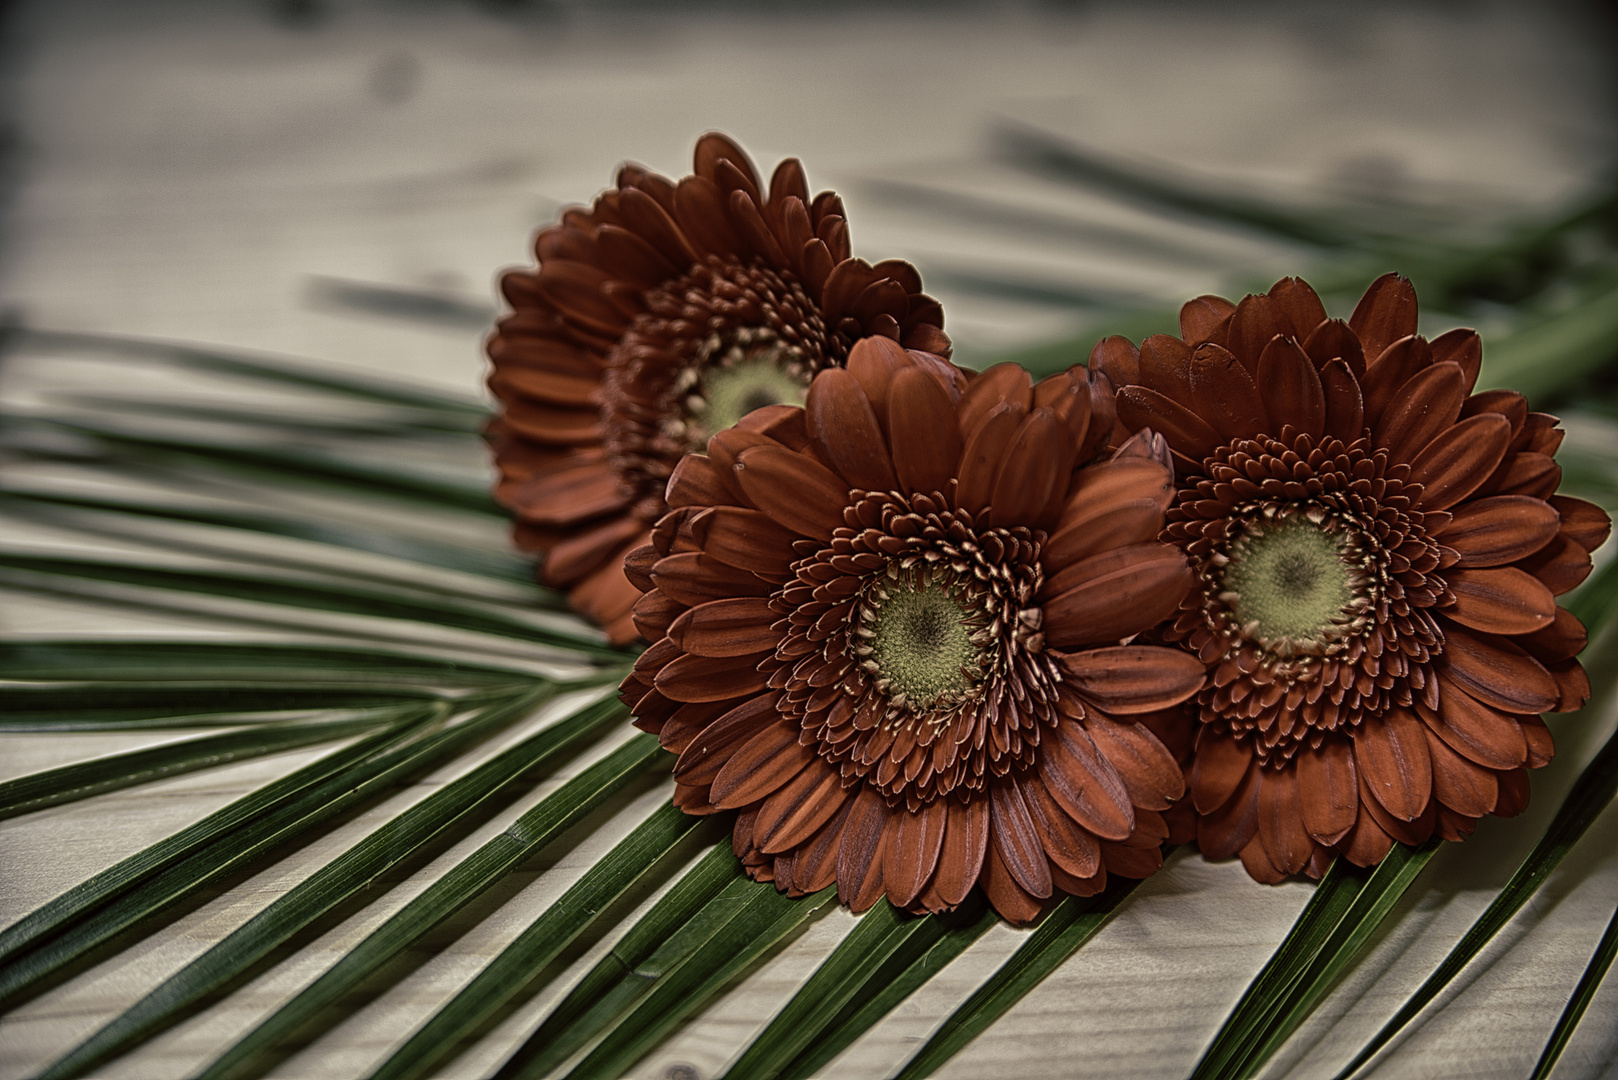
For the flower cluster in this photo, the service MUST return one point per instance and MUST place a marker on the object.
(1283, 585)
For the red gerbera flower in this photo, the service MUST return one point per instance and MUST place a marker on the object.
(663, 313)
(1377, 552)
(887, 631)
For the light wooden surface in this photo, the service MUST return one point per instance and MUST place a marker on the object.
(190, 170)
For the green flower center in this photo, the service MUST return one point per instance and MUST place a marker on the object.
(732, 392)
(922, 645)
(1291, 580)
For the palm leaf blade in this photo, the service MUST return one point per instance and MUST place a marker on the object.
(1600, 961)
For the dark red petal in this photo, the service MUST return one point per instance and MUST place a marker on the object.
(1066, 843)
(1117, 359)
(1280, 821)
(1561, 564)
(1464, 348)
(1188, 433)
(698, 481)
(1541, 746)
(1406, 832)
(797, 491)
(1328, 789)
(966, 837)
(1463, 786)
(1298, 304)
(746, 539)
(1218, 769)
(1425, 406)
(1034, 473)
(760, 766)
(1500, 600)
(1386, 373)
(846, 432)
(984, 451)
(1368, 843)
(1386, 313)
(736, 627)
(1333, 340)
(1224, 393)
(707, 678)
(1513, 793)
(1131, 862)
(1390, 757)
(797, 811)
(569, 495)
(922, 427)
(859, 861)
(1256, 861)
(1478, 731)
(1496, 672)
(1011, 833)
(1000, 384)
(693, 578)
(814, 866)
(1227, 828)
(1149, 772)
(911, 855)
(1455, 463)
(1253, 325)
(1165, 366)
(1499, 530)
(1200, 318)
(1113, 595)
(1007, 897)
(1345, 407)
(1084, 784)
(1585, 523)
(1290, 387)
(1126, 679)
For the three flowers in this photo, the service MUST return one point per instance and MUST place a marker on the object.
(1282, 585)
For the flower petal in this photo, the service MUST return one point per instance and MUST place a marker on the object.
(797, 491)
(1478, 731)
(1126, 679)
(714, 745)
(859, 860)
(1458, 461)
(1298, 304)
(1462, 785)
(911, 855)
(737, 627)
(1227, 828)
(1328, 789)
(1280, 822)
(1499, 529)
(1224, 393)
(1007, 897)
(1500, 600)
(694, 578)
(922, 431)
(1220, 765)
(846, 432)
(746, 539)
(1200, 319)
(1496, 672)
(1188, 433)
(1425, 406)
(1066, 843)
(1149, 772)
(1034, 473)
(966, 838)
(761, 765)
(1386, 313)
(706, 678)
(1113, 595)
(1390, 757)
(981, 457)
(1012, 835)
(1084, 784)
(1291, 388)
(797, 811)
(1583, 522)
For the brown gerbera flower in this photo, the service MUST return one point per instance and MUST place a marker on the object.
(889, 630)
(1377, 557)
(659, 315)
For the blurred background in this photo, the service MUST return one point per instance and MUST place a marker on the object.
(341, 183)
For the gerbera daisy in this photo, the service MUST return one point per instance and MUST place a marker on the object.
(891, 630)
(1377, 553)
(659, 315)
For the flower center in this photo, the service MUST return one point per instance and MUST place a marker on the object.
(770, 376)
(1290, 578)
(922, 645)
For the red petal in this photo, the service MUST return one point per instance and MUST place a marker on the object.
(1390, 756)
(1513, 793)
(1328, 789)
(746, 539)
(1333, 340)
(1115, 594)
(1386, 313)
(1280, 822)
(1084, 784)
(966, 837)
(760, 766)
(1127, 679)
(923, 431)
(1200, 318)
(797, 491)
(1008, 898)
(1345, 407)
(1585, 523)
(1299, 305)
(1459, 784)
(1368, 843)
(1165, 366)
(1501, 600)
(846, 432)
(1220, 765)
(1117, 359)
(1425, 406)
(1034, 473)
(1066, 843)
(737, 627)
(1464, 348)
(1225, 393)
(1229, 827)
(797, 811)
(1386, 373)
(1253, 325)
(1475, 730)
(1149, 772)
(1291, 388)
(984, 451)
(1000, 384)
(1012, 835)
(1499, 530)
(1188, 433)
(859, 861)
(1496, 672)
(911, 854)
(706, 678)
(1455, 463)
(693, 578)
(570, 495)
